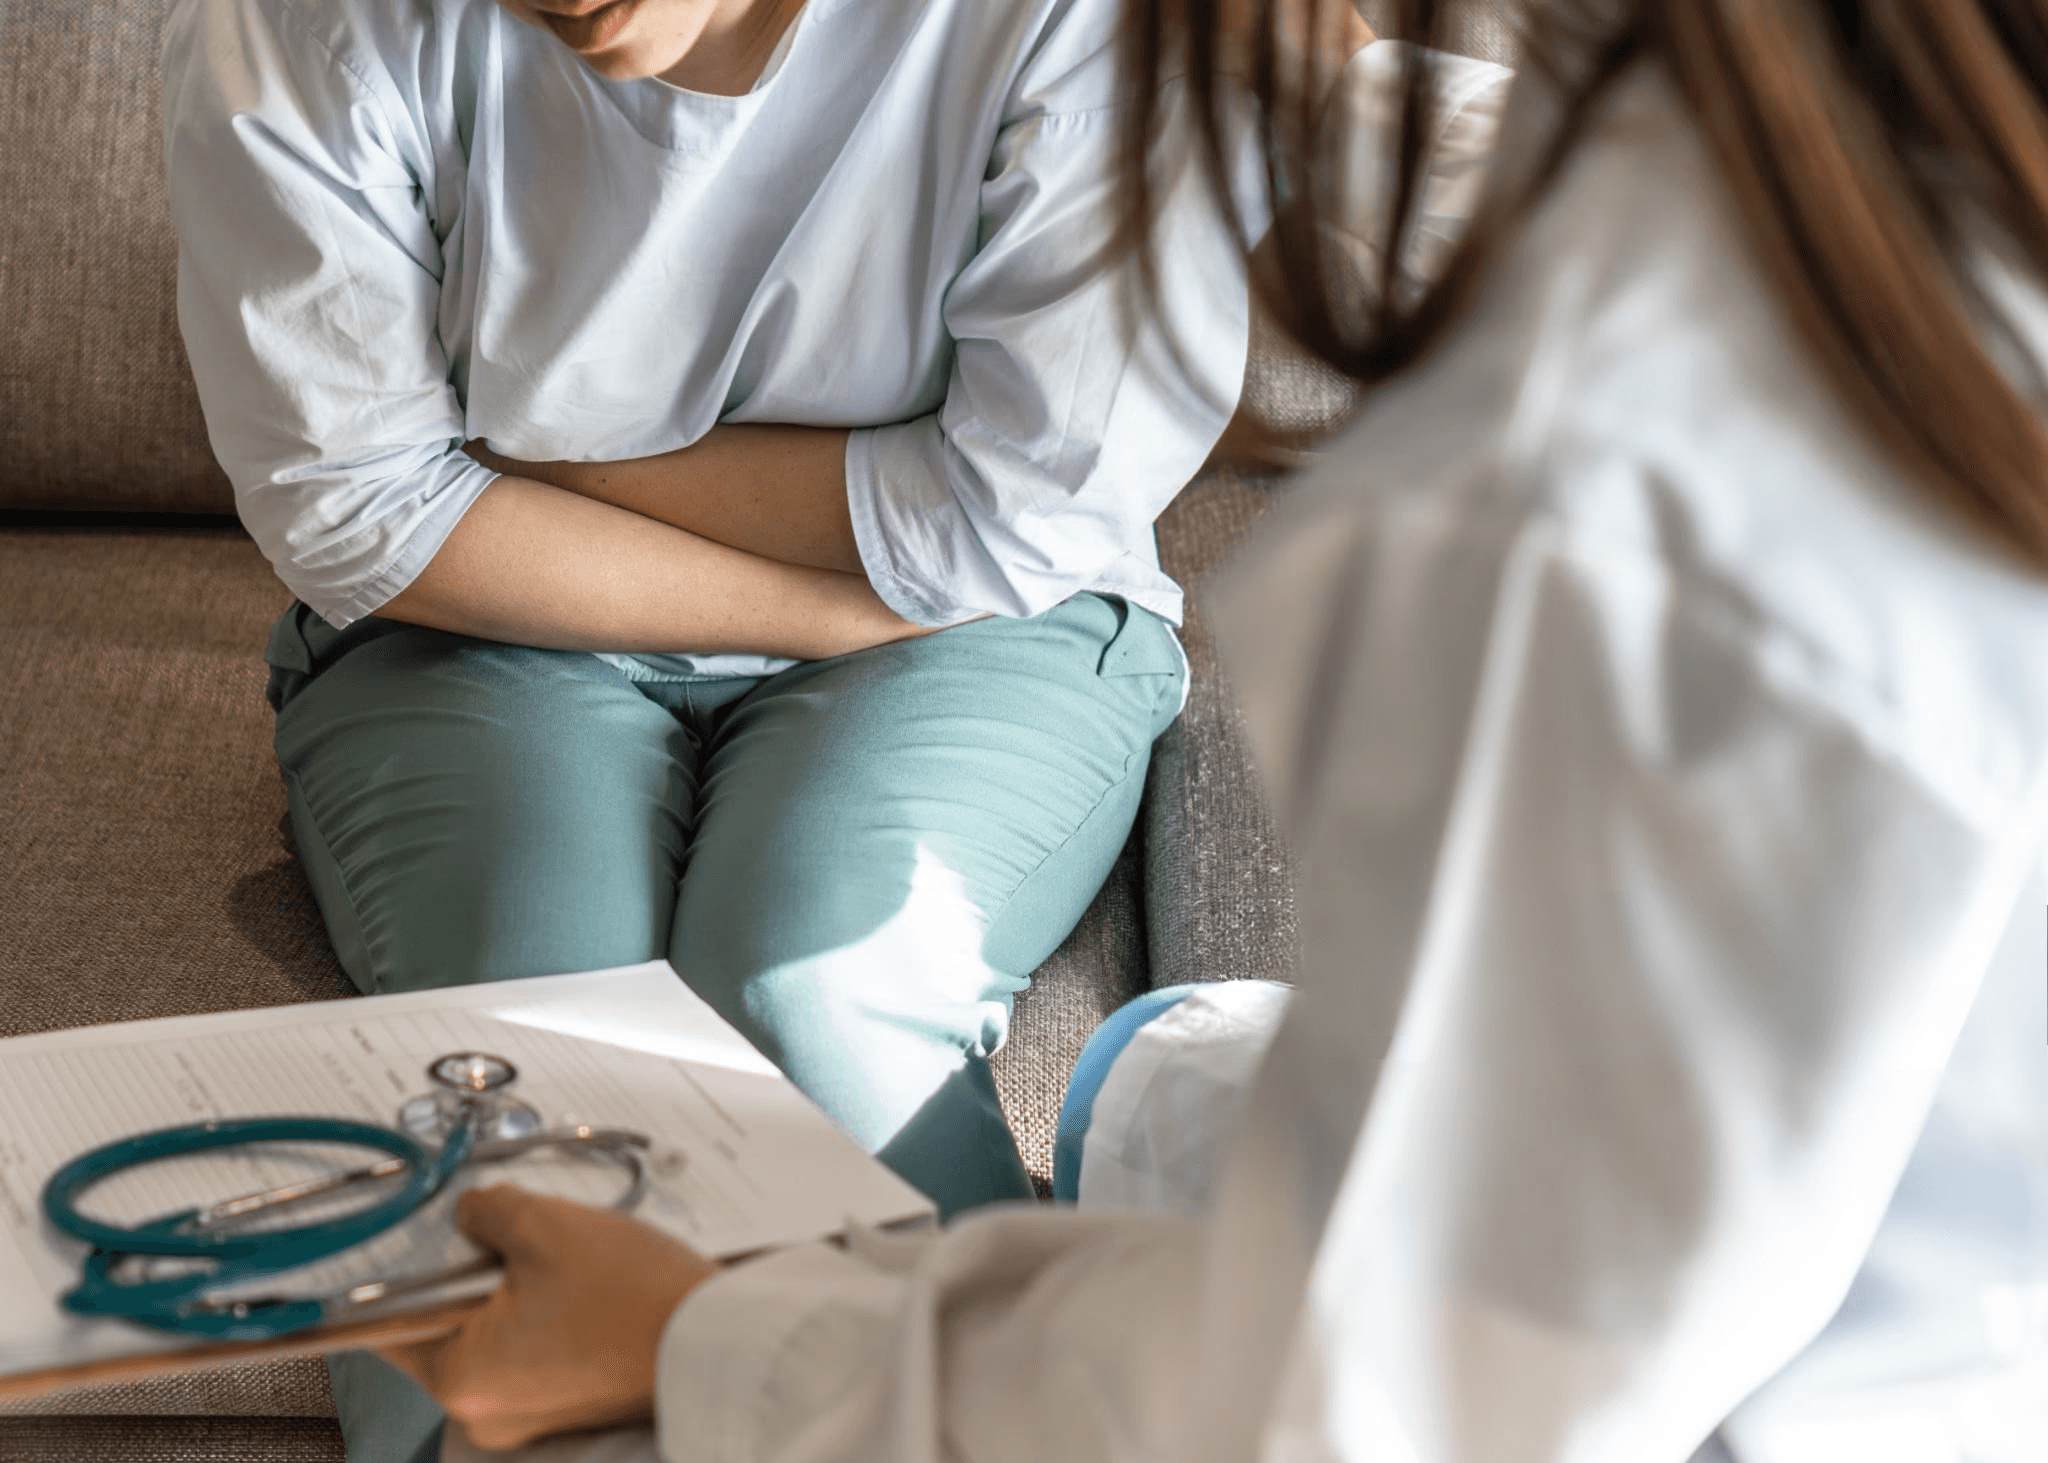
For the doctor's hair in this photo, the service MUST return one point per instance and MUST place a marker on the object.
(1876, 151)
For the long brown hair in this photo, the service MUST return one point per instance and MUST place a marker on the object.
(1874, 148)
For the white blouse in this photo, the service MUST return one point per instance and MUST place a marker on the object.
(1669, 776)
(408, 223)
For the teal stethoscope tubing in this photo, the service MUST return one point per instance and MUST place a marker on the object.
(177, 1303)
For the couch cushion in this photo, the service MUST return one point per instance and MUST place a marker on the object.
(296, 1388)
(136, 1439)
(140, 811)
(1219, 881)
(97, 408)
(140, 805)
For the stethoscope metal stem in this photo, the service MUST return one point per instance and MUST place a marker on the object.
(213, 1214)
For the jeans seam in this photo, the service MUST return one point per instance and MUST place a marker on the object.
(296, 793)
(1122, 779)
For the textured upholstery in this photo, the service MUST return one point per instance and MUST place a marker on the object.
(140, 810)
(139, 801)
(1219, 892)
(97, 408)
(268, 1389)
(138, 1439)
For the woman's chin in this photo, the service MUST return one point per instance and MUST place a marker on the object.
(631, 59)
(622, 40)
(628, 63)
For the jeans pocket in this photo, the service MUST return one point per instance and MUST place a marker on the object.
(1144, 645)
(302, 645)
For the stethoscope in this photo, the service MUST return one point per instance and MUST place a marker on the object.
(161, 1272)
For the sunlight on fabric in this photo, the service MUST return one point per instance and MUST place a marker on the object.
(697, 1035)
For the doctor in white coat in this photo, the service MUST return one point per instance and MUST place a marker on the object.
(1654, 680)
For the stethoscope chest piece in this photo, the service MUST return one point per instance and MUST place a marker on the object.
(471, 1090)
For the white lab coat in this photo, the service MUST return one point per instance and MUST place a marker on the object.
(1668, 776)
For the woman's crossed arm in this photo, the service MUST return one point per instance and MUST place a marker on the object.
(775, 491)
(537, 565)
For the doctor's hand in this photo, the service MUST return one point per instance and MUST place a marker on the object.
(568, 1340)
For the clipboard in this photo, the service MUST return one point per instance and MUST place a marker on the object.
(755, 1164)
(421, 1324)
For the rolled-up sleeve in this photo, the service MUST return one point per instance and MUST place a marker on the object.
(308, 283)
(1072, 416)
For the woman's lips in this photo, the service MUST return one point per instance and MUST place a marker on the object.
(592, 32)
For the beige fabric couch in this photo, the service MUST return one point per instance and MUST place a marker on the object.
(147, 870)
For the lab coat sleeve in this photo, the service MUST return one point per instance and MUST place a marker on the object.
(308, 281)
(1072, 416)
(1639, 933)
(1017, 1336)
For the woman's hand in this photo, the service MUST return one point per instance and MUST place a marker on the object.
(568, 1340)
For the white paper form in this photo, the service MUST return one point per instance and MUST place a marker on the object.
(743, 1161)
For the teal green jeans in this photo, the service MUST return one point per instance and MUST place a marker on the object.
(857, 861)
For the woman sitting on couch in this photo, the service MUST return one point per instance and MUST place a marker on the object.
(782, 336)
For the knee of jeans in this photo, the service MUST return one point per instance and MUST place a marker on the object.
(873, 1028)
(920, 968)
(849, 999)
